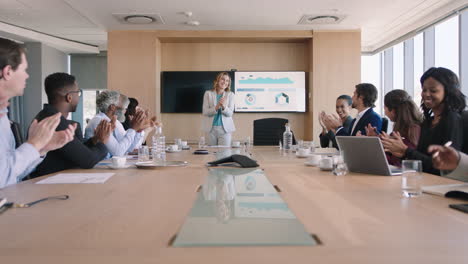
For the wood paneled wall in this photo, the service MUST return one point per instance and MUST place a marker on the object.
(226, 56)
(336, 60)
(132, 60)
(136, 59)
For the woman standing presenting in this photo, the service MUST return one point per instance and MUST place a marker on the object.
(218, 107)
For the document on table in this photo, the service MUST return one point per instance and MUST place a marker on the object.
(64, 178)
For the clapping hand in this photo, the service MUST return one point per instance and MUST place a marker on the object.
(444, 158)
(371, 131)
(102, 132)
(59, 139)
(221, 103)
(393, 144)
(40, 133)
(320, 118)
(113, 122)
(138, 121)
(332, 122)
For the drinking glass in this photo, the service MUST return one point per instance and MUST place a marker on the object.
(339, 166)
(178, 142)
(201, 142)
(411, 178)
(248, 146)
(143, 154)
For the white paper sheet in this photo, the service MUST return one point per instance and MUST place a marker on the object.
(64, 178)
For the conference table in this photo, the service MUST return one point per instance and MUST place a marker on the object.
(134, 216)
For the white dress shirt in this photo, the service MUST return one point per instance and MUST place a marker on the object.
(15, 164)
(120, 141)
(358, 117)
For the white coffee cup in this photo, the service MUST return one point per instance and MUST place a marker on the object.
(236, 143)
(314, 159)
(303, 151)
(118, 161)
(184, 143)
(326, 163)
(173, 147)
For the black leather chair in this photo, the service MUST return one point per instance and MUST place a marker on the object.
(269, 131)
(15, 128)
(384, 124)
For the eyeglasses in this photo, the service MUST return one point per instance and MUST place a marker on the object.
(80, 92)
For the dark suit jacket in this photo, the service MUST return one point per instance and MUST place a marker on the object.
(370, 117)
(73, 154)
(330, 136)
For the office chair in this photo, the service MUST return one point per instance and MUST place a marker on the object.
(15, 128)
(384, 124)
(269, 131)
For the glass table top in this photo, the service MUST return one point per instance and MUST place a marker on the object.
(240, 207)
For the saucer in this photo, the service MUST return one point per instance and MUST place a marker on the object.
(186, 148)
(110, 166)
(326, 169)
(235, 146)
(173, 151)
(308, 163)
(302, 156)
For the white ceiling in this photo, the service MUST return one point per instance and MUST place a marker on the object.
(88, 21)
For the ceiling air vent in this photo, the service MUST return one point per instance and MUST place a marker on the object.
(139, 19)
(321, 19)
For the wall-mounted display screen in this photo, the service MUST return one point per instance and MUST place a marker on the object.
(182, 91)
(270, 91)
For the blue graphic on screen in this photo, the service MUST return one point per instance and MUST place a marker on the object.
(250, 99)
(282, 99)
(267, 80)
(270, 91)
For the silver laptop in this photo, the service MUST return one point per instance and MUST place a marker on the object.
(366, 155)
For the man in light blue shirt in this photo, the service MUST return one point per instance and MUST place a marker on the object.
(112, 105)
(15, 164)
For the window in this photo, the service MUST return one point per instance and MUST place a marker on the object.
(89, 105)
(370, 73)
(418, 66)
(398, 67)
(446, 44)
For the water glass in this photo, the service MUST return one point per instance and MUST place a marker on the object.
(178, 142)
(143, 154)
(201, 142)
(300, 143)
(248, 146)
(309, 145)
(339, 166)
(411, 178)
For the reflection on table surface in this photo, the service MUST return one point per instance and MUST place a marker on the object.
(239, 207)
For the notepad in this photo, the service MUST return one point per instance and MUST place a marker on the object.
(65, 178)
(448, 190)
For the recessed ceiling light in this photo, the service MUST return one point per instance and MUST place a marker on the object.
(139, 19)
(321, 19)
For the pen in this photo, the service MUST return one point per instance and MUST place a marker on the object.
(448, 144)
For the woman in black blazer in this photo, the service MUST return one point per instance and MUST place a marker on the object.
(442, 103)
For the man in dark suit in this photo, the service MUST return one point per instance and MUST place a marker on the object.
(63, 95)
(364, 98)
